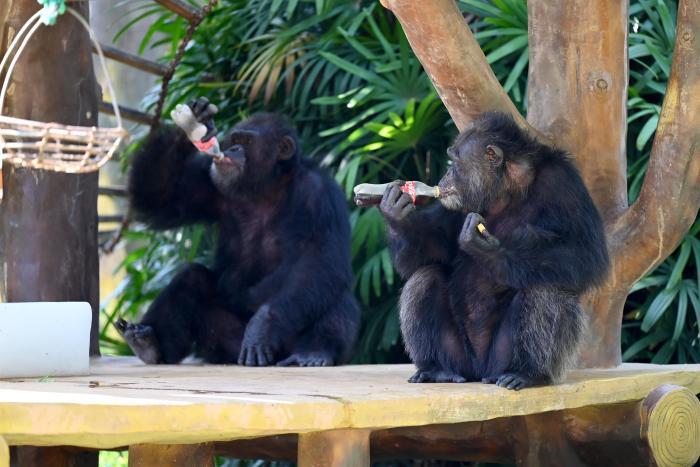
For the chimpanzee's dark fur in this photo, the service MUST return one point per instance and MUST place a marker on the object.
(501, 307)
(280, 289)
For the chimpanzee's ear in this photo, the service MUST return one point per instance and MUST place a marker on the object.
(520, 172)
(287, 148)
(494, 155)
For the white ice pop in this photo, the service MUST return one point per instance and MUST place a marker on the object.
(184, 118)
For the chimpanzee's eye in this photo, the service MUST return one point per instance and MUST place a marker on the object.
(490, 152)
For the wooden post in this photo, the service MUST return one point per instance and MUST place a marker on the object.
(171, 455)
(4, 453)
(48, 221)
(335, 448)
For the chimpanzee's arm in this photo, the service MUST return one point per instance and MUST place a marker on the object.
(169, 183)
(426, 236)
(548, 252)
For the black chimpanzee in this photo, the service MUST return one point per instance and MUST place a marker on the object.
(280, 287)
(499, 306)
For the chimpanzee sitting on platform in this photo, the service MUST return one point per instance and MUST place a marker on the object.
(495, 271)
(279, 291)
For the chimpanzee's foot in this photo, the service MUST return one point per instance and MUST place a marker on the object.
(436, 376)
(515, 381)
(308, 359)
(141, 339)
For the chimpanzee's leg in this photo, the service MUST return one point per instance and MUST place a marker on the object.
(330, 340)
(542, 329)
(433, 340)
(184, 313)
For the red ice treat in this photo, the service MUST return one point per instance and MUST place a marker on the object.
(368, 194)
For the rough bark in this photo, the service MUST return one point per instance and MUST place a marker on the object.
(577, 99)
(48, 221)
(577, 89)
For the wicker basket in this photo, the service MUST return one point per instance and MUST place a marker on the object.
(52, 146)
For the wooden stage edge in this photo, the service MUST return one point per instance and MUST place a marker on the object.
(338, 415)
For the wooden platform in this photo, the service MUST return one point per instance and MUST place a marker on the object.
(125, 402)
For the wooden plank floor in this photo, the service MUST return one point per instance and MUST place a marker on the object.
(125, 402)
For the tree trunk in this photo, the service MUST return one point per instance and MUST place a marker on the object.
(48, 221)
(577, 99)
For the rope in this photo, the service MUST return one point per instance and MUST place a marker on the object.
(108, 246)
(172, 66)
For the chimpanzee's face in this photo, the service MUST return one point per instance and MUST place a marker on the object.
(250, 156)
(474, 178)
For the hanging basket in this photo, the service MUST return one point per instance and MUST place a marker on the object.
(52, 146)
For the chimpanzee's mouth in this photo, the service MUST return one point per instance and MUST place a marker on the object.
(223, 160)
(231, 156)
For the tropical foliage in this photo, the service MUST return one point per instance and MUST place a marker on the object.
(344, 72)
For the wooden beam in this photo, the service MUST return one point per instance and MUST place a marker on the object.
(171, 455)
(180, 8)
(334, 448)
(113, 191)
(54, 456)
(111, 218)
(133, 61)
(127, 113)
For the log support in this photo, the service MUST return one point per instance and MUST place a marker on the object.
(661, 430)
(171, 455)
(334, 448)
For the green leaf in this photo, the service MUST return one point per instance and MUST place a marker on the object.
(647, 132)
(512, 46)
(517, 70)
(677, 272)
(657, 308)
(354, 69)
(680, 313)
(663, 356)
(644, 343)
(694, 296)
(648, 282)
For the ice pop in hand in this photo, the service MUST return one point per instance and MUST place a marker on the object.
(183, 117)
(368, 194)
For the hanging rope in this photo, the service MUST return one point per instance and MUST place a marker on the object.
(108, 246)
(172, 66)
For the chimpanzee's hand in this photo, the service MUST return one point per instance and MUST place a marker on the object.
(204, 113)
(260, 343)
(395, 204)
(475, 241)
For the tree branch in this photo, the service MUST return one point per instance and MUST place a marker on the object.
(452, 58)
(577, 89)
(668, 203)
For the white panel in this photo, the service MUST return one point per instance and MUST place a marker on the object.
(44, 339)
